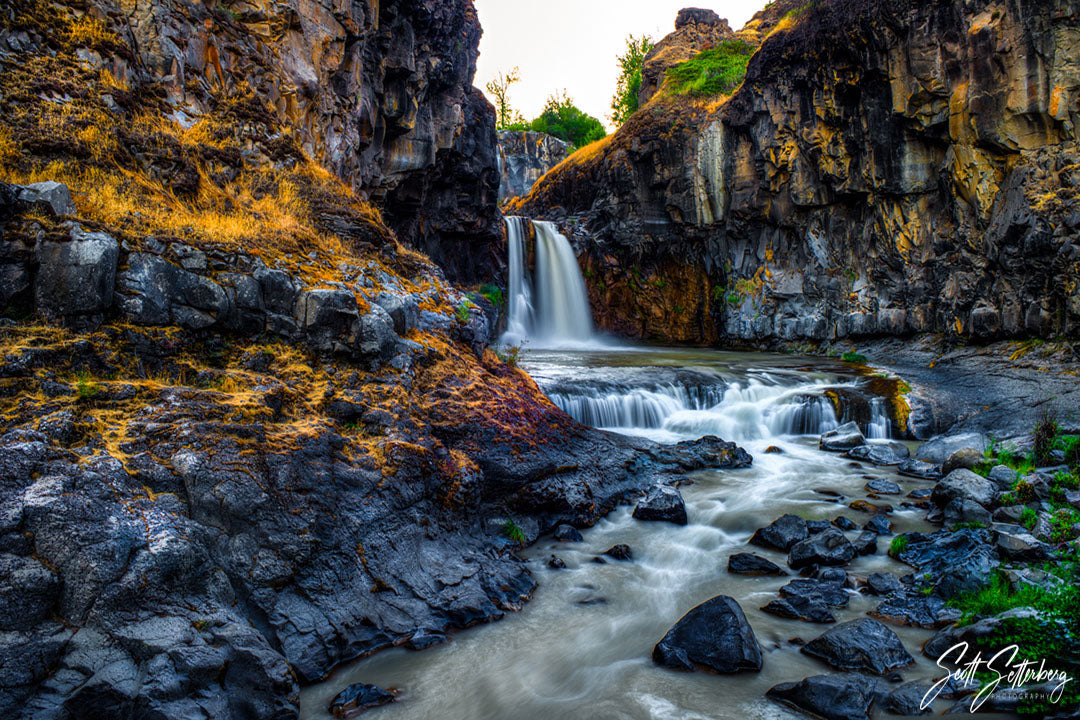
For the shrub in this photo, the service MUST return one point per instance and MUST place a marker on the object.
(1070, 445)
(853, 357)
(1023, 491)
(1028, 518)
(1046, 432)
(513, 532)
(898, 545)
(716, 71)
(509, 355)
(565, 121)
(625, 102)
(493, 294)
(86, 388)
(462, 312)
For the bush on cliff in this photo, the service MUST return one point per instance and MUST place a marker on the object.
(625, 102)
(565, 121)
(716, 71)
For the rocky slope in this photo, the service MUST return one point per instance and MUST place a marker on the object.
(379, 93)
(885, 168)
(524, 157)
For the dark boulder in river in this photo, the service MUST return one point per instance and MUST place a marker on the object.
(714, 636)
(863, 644)
(781, 533)
(827, 548)
(751, 564)
(358, 698)
(664, 504)
(846, 696)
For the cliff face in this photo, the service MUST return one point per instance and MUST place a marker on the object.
(380, 93)
(885, 168)
(524, 157)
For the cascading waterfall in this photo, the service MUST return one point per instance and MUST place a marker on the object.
(560, 312)
(878, 427)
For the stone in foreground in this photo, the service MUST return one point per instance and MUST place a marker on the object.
(846, 696)
(845, 437)
(863, 644)
(359, 698)
(751, 564)
(830, 547)
(714, 636)
(781, 533)
(664, 504)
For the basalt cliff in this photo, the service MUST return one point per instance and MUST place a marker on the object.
(885, 168)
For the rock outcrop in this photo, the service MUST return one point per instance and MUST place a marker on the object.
(885, 168)
(695, 30)
(524, 157)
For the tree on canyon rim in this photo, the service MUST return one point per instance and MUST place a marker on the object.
(625, 101)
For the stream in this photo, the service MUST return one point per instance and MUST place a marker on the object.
(581, 647)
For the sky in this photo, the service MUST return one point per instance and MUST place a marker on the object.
(573, 44)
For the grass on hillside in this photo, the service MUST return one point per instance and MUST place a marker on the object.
(716, 71)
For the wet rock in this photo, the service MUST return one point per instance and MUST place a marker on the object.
(781, 533)
(1009, 514)
(1016, 543)
(869, 507)
(402, 309)
(813, 527)
(556, 563)
(751, 564)
(880, 454)
(908, 699)
(844, 523)
(834, 574)
(864, 644)
(986, 635)
(938, 449)
(865, 543)
(813, 610)
(915, 610)
(844, 696)
(377, 339)
(965, 458)
(664, 504)
(879, 525)
(773, 450)
(1002, 476)
(715, 636)
(920, 470)
(964, 484)
(567, 533)
(845, 437)
(882, 583)
(831, 592)
(358, 698)
(882, 487)
(619, 552)
(962, 511)
(153, 291)
(956, 561)
(49, 195)
(827, 548)
(76, 278)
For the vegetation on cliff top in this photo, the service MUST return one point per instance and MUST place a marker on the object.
(565, 121)
(716, 71)
(625, 102)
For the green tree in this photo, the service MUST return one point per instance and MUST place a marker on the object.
(625, 102)
(565, 121)
(499, 88)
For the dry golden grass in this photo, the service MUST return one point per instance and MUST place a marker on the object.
(90, 32)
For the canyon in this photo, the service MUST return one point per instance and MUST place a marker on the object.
(286, 400)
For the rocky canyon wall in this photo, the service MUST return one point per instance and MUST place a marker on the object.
(378, 92)
(524, 157)
(885, 168)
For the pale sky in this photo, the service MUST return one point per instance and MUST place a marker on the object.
(573, 44)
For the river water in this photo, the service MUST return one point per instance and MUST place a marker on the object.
(581, 647)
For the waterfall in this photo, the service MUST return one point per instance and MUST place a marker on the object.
(878, 427)
(560, 312)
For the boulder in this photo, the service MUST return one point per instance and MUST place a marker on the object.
(556, 563)
(153, 291)
(964, 484)
(826, 548)
(620, 552)
(377, 339)
(880, 454)
(938, 449)
(962, 511)
(813, 527)
(966, 458)
(781, 533)
(402, 309)
(662, 503)
(567, 533)
(882, 583)
(358, 698)
(77, 277)
(881, 486)
(813, 609)
(985, 635)
(919, 469)
(844, 523)
(751, 564)
(1003, 477)
(49, 195)
(845, 437)
(956, 561)
(908, 699)
(863, 644)
(714, 635)
(865, 543)
(845, 696)
(879, 525)
(329, 318)
(1016, 543)
(915, 609)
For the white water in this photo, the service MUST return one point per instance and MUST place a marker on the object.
(878, 429)
(552, 308)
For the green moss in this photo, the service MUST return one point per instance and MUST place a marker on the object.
(493, 294)
(898, 545)
(853, 357)
(716, 71)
